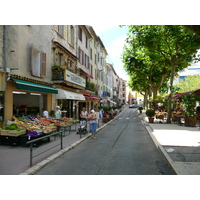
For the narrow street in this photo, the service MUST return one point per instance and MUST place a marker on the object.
(124, 147)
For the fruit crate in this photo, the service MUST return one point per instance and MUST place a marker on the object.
(12, 132)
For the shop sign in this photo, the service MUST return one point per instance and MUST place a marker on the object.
(73, 78)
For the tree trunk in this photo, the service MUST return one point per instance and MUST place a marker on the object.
(170, 94)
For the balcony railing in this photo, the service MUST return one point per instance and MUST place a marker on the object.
(58, 75)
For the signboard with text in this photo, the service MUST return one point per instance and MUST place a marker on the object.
(73, 78)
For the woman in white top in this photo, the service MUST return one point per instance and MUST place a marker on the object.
(93, 123)
(84, 115)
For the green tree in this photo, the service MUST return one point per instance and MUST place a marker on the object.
(171, 47)
(191, 82)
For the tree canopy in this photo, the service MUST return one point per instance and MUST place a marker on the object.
(191, 82)
(158, 52)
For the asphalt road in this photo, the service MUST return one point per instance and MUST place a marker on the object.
(123, 147)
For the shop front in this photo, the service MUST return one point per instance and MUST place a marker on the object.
(92, 102)
(27, 98)
(69, 103)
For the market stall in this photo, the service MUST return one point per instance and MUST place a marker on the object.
(23, 129)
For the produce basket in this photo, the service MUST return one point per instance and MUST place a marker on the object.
(13, 133)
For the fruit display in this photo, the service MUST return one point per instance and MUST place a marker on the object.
(12, 130)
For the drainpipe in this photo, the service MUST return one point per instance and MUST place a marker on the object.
(4, 47)
(5, 66)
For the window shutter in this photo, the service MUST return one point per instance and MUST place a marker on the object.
(65, 31)
(43, 64)
(79, 55)
(35, 62)
(83, 59)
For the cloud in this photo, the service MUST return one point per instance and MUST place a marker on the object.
(115, 49)
(99, 29)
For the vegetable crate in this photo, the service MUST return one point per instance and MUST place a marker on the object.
(12, 132)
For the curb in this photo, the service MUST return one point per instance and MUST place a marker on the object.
(42, 164)
(158, 145)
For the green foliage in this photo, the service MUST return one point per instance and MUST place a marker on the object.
(140, 108)
(189, 102)
(58, 67)
(90, 86)
(52, 113)
(150, 112)
(158, 52)
(191, 82)
(107, 108)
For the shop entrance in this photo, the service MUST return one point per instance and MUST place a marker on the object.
(25, 103)
(68, 107)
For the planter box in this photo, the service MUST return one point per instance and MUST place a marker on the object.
(190, 121)
(151, 119)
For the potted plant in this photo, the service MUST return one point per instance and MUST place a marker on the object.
(150, 113)
(189, 102)
(58, 68)
(58, 72)
(140, 109)
(52, 113)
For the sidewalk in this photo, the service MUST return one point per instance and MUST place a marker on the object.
(179, 144)
(16, 160)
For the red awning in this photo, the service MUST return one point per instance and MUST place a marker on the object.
(86, 74)
(91, 97)
(190, 92)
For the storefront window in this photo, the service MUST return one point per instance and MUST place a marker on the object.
(69, 106)
(2, 105)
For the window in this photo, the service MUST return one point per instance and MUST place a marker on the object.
(96, 75)
(72, 35)
(86, 42)
(91, 53)
(86, 60)
(91, 70)
(80, 34)
(95, 58)
(60, 29)
(38, 63)
(59, 60)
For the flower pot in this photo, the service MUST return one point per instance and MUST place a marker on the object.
(190, 121)
(140, 111)
(151, 119)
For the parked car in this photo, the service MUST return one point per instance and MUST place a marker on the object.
(133, 106)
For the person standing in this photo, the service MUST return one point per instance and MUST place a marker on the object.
(93, 123)
(45, 113)
(84, 115)
(58, 112)
(58, 116)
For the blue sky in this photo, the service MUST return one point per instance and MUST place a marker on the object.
(113, 38)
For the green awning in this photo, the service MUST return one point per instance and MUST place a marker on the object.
(35, 87)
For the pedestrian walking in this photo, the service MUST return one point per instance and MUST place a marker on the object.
(93, 123)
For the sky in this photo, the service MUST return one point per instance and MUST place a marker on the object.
(113, 38)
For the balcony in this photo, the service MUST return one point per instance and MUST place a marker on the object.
(57, 75)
